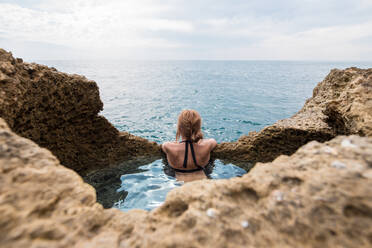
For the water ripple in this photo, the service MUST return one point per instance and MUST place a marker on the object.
(148, 189)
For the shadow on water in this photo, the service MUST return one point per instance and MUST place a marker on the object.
(245, 165)
(107, 181)
(144, 182)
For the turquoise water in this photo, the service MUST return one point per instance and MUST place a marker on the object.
(148, 189)
(233, 98)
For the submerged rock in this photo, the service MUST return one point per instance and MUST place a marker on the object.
(296, 201)
(60, 112)
(341, 104)
(108, 180)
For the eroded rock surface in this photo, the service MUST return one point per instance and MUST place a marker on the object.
(44, 204)
(318, 197)
(341, 104)
(60, 112)
(349, 110)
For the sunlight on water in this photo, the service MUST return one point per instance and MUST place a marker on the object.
(147, 190)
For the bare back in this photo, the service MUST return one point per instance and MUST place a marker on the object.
(176, 153)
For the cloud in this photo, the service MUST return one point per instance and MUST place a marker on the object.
(176, 29)
(89, 24)
(328, 43)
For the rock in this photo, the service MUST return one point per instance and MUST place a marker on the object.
(318, 197)
(211, 212)
(349, 110)
(296, 201)
(347, 143)
(245, 224)
(60, 112)
(338, 164)
(341, 104)
(44, 204)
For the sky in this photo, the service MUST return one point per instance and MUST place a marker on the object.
(326, 30)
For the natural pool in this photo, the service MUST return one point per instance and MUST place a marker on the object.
(233, 98)
(148, 189)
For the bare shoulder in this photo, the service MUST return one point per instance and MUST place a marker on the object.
(211, 143)
(166, 146)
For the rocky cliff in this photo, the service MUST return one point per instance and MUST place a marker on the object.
(318, 197)
(341, 104)
(60, 112)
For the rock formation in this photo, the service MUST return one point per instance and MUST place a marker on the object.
(341, 104)
(349, 110)
(42, 203)
(318, 197)
(60, 112)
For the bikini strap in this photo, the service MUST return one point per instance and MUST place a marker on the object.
(186, 153)
(193, 155)
(194, 158)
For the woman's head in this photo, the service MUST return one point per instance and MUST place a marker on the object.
(189, 126)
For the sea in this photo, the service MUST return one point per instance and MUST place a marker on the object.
(232, 97)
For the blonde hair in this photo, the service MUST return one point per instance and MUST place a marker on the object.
(189, 126)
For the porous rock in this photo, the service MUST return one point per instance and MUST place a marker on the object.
(60, 112)
(349, 111)
(44, 204)
(296, 201)
(341, 104)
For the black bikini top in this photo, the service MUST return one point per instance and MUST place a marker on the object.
(199, 168)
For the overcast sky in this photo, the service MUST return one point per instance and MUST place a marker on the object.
(191, 29)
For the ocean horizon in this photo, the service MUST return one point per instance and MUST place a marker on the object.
(234, 97)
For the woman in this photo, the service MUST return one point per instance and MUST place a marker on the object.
(189, 157)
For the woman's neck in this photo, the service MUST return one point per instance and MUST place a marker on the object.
(184, 140)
